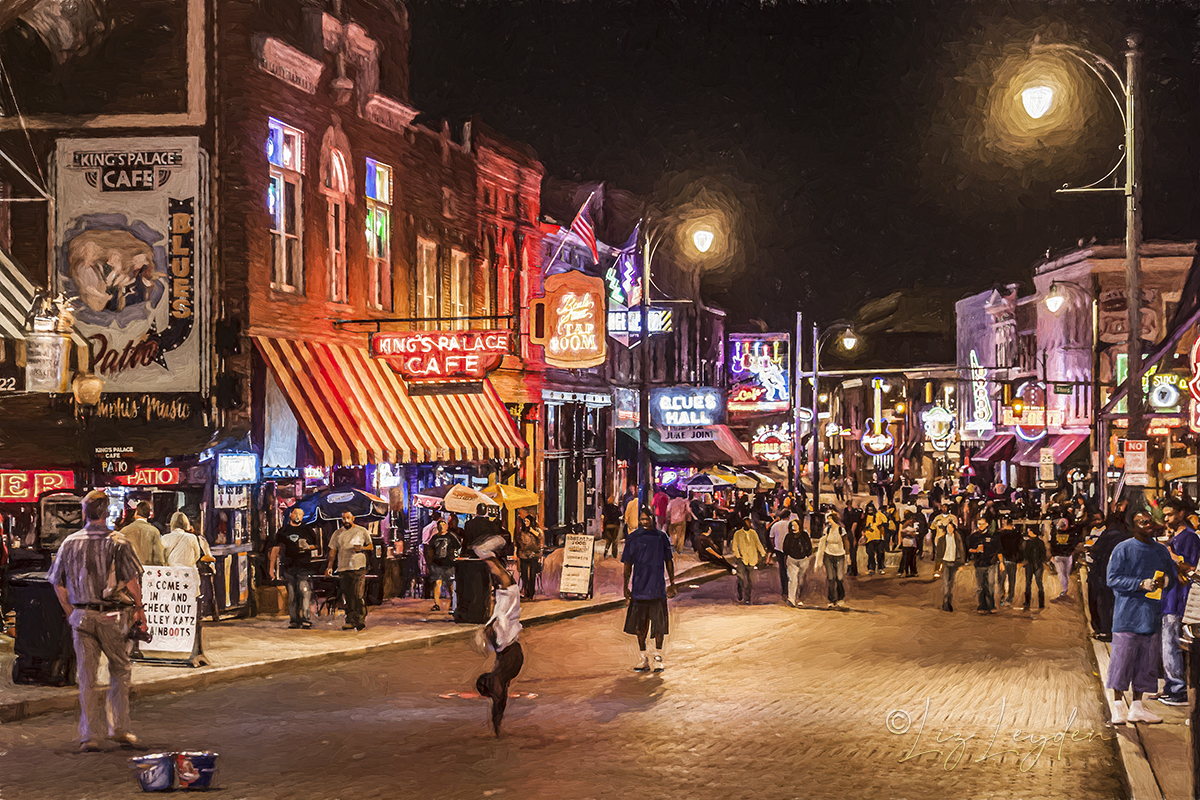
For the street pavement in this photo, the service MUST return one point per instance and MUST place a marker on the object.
(899, 701)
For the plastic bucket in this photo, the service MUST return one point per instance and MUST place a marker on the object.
(195, 769)
(155, 772)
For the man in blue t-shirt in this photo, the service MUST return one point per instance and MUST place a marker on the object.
(1139, 569)
(647, 554)
(1185, 546)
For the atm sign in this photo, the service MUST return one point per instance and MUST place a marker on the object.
(25, 487)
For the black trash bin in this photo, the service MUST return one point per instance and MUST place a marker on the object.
(472, 590)
(43, 648)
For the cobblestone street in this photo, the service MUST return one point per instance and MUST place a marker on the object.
(763, 702)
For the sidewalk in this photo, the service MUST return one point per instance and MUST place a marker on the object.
(264, 645)
(1157, 758)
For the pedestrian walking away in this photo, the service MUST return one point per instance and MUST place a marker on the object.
(984, 547)
(144, 537)
(98, 580)
(293, 547)
(908, 547)
(950, 553)
(677, 521)
(349, 547)
(612, 527)
(748, 552)
(831, 553)
(779, 531)
(1140, 568)
(647, 558)
(1033, 553)
(501, 632)
(1184, 546)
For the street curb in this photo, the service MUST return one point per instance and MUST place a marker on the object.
(69, 701)
(1139, 774)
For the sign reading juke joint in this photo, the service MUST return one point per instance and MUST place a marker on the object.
(130, 252)
(434, 356)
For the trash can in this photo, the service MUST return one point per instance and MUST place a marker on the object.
(472, 591)
(44, 652)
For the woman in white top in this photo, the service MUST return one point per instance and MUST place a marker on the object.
(183, 547)
(832, 550)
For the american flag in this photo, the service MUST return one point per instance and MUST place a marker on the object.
(582, 228)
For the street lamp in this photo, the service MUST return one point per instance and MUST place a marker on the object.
(1056, 300)
(1037, 101)
(703, 237)
(849, 341)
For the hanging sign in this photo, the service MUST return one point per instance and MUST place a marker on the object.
(939, 426)
(25, 487)
(981, 405)
(231, 497)
(1046, 464)
(759, 373)
(772, 443)
(569, 322)
(237, 469)
(1194, 389)
(48, 362)
(433, 356)
(1137, 467)
(689, 435)
(876, 440)
(171, 599)
(628, 409)
(130, 252)
(686, 406)
(629, 321)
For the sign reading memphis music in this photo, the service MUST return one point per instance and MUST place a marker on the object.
(434, 356)
(130, 253)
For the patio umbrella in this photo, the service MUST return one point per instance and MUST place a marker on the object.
(512, 496)
(454, 497)
(329, 505)
(764, 481)
(707, 482)
(740, 481)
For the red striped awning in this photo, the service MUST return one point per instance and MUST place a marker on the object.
(356, 411)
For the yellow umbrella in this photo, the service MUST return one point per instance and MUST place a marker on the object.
(740, 481)
(512, 496)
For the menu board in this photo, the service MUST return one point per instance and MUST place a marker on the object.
(576, 580)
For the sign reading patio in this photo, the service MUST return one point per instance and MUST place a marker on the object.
(435, 356)
(570, 321)
(686, 406)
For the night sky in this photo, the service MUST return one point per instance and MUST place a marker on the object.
(855, 141)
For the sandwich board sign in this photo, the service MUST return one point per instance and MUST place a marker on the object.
(576, 580)
(171, 599)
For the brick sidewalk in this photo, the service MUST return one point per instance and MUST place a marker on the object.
(264, 645)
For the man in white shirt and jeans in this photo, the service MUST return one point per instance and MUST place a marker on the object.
(350, 545)
(779, 532)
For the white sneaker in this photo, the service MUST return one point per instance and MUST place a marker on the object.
(1138, 713)
(659, 666)
(1120, 712)
(643, 665)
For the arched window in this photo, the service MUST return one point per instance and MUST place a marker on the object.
(337, 184)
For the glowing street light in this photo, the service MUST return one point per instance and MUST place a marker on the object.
(1055, 300)
(1037, 100)
(849, 340)
(703, 239)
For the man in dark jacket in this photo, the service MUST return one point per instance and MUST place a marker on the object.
(984, 547)
(1033, 553)
(478, 529)
(852, 521)
(1100, 596)
(1010, 553)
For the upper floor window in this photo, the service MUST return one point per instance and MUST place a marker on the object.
(379, 233)
(285, 156)
(427, 280)
(460, 289)
(338, 187)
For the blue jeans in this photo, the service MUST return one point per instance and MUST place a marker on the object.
(1172, 655)
(1008, 584)
(299, 590)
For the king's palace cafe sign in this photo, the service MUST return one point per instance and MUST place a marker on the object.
(437, 357)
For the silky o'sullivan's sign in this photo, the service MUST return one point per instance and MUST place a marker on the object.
(434, 357)
(569, 322)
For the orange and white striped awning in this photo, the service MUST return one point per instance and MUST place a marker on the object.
(355, 410)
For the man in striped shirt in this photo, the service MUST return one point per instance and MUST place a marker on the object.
(98, 579)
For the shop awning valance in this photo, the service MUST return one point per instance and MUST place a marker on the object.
(1066, 443)
(1030, 453)
(997, 448)
(355, 410)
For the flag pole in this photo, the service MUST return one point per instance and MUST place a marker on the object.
(562, 243)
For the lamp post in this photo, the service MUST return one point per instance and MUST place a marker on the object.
(703, 239)
(849, 341)
(1056, 300)
(1038, 101)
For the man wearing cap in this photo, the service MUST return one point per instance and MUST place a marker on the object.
(101, 613)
